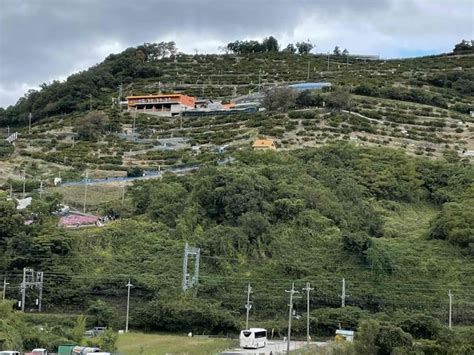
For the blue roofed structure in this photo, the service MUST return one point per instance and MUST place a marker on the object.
(309, 86)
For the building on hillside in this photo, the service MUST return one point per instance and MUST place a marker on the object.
(264, 144)
(167, 105)
(309, 86)
(207, 107)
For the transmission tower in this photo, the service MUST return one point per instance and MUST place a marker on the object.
(190, 252)
(32, 280)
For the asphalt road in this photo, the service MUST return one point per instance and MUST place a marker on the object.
(149, 175)
(273, 347)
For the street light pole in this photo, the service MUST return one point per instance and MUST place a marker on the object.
(129, 285)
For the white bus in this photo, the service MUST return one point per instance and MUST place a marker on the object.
(253, 338)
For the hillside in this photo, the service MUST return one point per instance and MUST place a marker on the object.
(420, 105)
(378, 193)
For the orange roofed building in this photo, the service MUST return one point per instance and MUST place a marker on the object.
(161, 104)
(264, 144)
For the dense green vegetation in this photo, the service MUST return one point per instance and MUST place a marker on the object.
(398, 229)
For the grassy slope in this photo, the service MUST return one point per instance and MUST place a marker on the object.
(157, 344)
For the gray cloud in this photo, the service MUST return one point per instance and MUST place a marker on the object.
(49, 39)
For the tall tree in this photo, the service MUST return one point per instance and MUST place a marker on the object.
(290, 48)
(279, 99)
(270, 44)
(304, 47)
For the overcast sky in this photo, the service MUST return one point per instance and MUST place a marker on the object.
(43, 40)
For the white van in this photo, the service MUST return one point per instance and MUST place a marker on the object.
(253, 338)
(9, 352)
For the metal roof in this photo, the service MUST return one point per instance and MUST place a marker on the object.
(309, 86)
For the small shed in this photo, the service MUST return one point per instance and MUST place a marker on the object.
(264, 144)
(347, 335)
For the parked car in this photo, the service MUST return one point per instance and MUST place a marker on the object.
(38, 352)
(9, 352)
(89, 333)
(98, 330)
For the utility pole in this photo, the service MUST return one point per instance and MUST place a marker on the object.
(134, 121)
(307, 289)
(328, 61)
(307, 79)
(85, 192)
(29, 123)
(23, 290)
(5, 283)
(31, 279)
(248, 306)
(343, 295)
(450, 307)
(290, 314)
(24, 183)
(129, 285)
(259, 73)
(41, 188)
(39, 284)
(119, 99)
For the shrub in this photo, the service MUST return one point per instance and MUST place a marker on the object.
(101, 314)
(455, 223)
(389, 338)
(327, 320)
(134, 172)
(338, 100)
(6, 149)
(183, 314)
(91, 126)
(373, 337)
(357, 243)
(420, 326)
